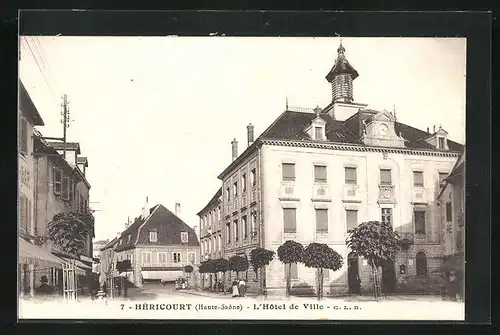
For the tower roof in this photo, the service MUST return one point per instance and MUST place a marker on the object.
(341, 66)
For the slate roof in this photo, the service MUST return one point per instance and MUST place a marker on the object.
(110, 244)
(27, 106)
(341, 66)
(214, 201)
(167, 225)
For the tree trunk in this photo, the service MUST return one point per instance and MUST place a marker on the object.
(261, 280)
(203, 282)
(224, 283)
(125, 285)
(375, 280)
(288, 280)
(320, 293)
(216, 283)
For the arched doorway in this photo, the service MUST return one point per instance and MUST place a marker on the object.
(388, 277)
(352, 273)
(421, 264)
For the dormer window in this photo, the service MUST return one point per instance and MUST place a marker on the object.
(316, 129)
(441, 143)
(318, 133)
(153, 236)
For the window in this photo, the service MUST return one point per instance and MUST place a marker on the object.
(253, 226)
(385, 177)
(244, 183)
(228, 232)
(289, 220)
(449, 215)
(228, 194)
(318, 133)
(418, 178)
(421, 264)
(162, 258)
(23, 135)
(288, 171)
(441, 143)
(235, 189)
(351, 219)
(71, 189)
(25, 213)
(351, 176)
(153, 236)
(387, 215)
(177, 257)
(320, 174)
(128, 238)
(293, 271)
(184, 237)
(219, 242)
(65, 188)
(235, 222)
(419, 221)
(321, 221)
(146, 257)
(218, 213)
(77, 201)
(442, 177)
(192, 257)
(245, 226)
(252, 177)
(57, 180)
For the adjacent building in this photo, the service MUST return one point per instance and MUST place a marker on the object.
(96, 255)
(158, 244)
(312, 176)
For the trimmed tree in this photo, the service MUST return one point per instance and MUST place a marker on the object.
(259, 258)
(188, 269)
(69, 231)
(321, 256)
(221, 265)
(238, 264)
(124, 266)
(288, 253)
(376, 242)
(202, 269)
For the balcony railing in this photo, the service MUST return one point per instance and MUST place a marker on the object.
(418, 193)
(253, 196)
(320, 191)
(288, 189)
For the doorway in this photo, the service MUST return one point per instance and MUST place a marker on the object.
(352, 273)
(388, 277)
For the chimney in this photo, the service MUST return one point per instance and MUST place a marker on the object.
(250, 134)
(434, 129)
(317, 110)
(127, 224)
(177, 209)
(145, 211)
(234, 145)
(427, 130)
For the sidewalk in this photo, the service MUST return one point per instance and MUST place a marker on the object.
(209, 294)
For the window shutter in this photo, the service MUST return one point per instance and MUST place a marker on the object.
(22, 211)
(288, 171)
(385, 177)
(320, 173)
(321, 220)
(23, 133)
(351, 219)
(449, 215)
(289, 218)
(57, 175)
(350, 175)
(28, 216)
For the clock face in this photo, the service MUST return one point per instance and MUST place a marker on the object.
(384, 129)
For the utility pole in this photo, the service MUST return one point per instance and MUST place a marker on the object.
(65, 121)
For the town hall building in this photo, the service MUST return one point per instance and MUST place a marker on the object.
(312, 176)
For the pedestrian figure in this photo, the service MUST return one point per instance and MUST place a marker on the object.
(452, 286)
(235, 289)
(177, 284)
(242, 288)
(44, 288)
(221, 287)
(358, 285)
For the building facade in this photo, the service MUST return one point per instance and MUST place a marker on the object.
(159, 245)
(312, 176)
(211, 228)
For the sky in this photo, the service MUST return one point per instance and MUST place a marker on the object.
(156, 115)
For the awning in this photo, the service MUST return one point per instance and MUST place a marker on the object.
(161, 275)
(30, 253)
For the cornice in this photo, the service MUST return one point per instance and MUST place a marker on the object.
(358, 148)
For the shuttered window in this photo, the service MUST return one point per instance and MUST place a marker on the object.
(22, 211)
(57, 179)
(351, 175)
(321, 221)
(289, 220)
(449, 215)
(288, 171)
(351, 219)
(385, 177)
(65, 188)
(418, 178)
(419, 222)
(23, 135)
(320, 174)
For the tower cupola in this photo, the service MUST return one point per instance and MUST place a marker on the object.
(341, 77)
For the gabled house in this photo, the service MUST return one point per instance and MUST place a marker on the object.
(159, 245)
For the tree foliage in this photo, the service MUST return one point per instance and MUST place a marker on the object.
(288, 253)
(124, 265)
(69, 231)
(188, 269)
(375, 241)
(238, 264)
(202, 268)
(221, 265)
(260, 257)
